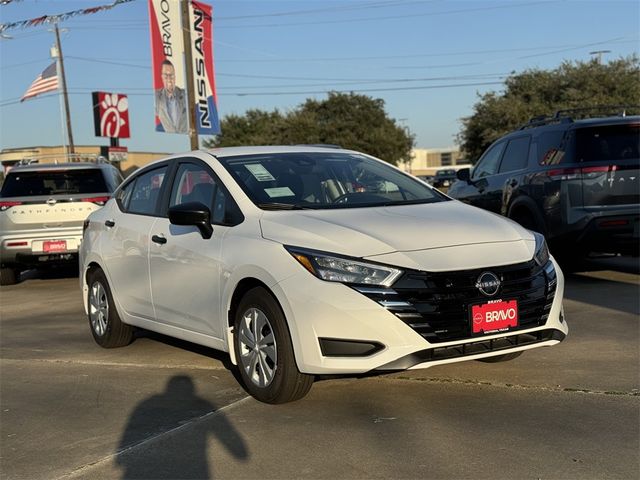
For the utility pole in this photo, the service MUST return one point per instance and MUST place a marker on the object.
(64, 90)
(191, 104)
(598, 55)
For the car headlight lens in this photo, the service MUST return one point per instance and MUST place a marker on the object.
(542, 251)
(344, 270)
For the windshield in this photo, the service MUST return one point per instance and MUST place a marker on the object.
(53, 182)
(324, 180)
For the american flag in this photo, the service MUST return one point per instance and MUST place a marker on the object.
(47, 81)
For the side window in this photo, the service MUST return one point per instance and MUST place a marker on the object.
(146, 191)
(488, 164)
(515, 155)
(193, 183)
(549, 150)
(124, 195)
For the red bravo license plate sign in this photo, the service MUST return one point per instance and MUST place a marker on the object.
(496, 316)
(54, 246)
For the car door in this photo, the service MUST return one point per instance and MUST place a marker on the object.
(125, 245)
(186, 268)
(475, 192)
(506, 181)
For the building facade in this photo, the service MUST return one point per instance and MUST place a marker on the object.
(426, 161)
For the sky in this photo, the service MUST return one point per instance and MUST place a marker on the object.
(428, 60)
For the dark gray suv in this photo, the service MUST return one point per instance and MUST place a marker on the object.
(575, 181)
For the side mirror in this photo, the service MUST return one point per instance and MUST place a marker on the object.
(464, 174)
(192, 213)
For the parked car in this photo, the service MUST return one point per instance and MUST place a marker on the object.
(296, 262)
(444, 178)
(42, 209)
(426, 178)
(575, 181)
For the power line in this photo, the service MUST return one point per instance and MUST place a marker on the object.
(6, 67)
(131, 26)
(413, 55)
(391, 17)
(9, 102)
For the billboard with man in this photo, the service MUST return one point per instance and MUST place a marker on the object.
(167, 63)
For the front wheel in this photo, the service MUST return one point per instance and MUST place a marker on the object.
(107, 328)
(264, 352)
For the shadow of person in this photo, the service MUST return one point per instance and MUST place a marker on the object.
(157, 443)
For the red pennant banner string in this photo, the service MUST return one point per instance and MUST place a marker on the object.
(45, 19)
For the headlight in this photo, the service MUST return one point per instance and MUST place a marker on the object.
(344, 270)
(542, 251)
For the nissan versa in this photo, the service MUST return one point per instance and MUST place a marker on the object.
(301, 261)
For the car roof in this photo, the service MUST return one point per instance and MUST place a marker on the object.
(268, 149)
(38, 167)
(566, 123)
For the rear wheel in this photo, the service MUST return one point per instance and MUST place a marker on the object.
(501, 358)
(263, 348)
(107, 328)
(9, 275)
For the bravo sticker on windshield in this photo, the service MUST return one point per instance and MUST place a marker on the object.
(260, 173)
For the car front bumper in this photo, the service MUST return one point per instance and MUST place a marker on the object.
(365, 336)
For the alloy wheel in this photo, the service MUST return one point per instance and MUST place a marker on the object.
(258, 351)
(98, 308)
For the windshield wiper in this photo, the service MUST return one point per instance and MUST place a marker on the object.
(282, 206)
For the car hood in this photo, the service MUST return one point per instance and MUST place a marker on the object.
(365, 232)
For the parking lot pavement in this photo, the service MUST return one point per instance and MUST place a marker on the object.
(167, 409)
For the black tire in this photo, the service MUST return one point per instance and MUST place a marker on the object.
(106, 327)
(278, 381)
(501, 358)
(9, 275)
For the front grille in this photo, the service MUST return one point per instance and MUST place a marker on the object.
(437, 305)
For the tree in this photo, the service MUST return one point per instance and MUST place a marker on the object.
(542, 92)
(351, 120)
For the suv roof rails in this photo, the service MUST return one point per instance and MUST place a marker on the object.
(573, 114)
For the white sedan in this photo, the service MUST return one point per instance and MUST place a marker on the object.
(295, 262)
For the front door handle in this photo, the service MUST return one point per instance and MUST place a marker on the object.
(110, 223)
(159, 239)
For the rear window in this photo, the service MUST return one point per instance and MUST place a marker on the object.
(53, 182)
(604, 143)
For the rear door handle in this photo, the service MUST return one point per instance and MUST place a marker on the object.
(159, 239)
(110, 223)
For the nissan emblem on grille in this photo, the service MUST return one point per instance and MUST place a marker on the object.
(488, 284)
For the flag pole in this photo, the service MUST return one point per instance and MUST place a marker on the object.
(64, 90)
(54, 54)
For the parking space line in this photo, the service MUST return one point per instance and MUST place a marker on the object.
(82, 470)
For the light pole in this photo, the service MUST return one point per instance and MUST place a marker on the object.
(598, 55)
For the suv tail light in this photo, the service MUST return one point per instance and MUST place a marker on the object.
(97, 200)
(577, 173)
(5, 205)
